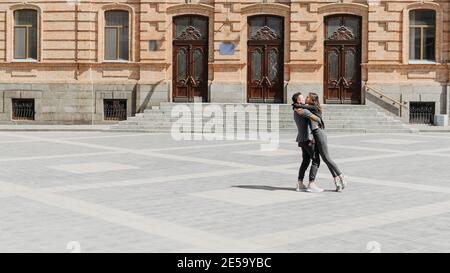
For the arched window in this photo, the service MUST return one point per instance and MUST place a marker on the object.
(422, 35)
(25, 34)
(117, 42)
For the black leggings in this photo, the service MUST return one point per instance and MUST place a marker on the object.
(321, 142)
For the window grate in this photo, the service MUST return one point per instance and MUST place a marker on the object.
(421, 112)
(23, 109)
(115, 109)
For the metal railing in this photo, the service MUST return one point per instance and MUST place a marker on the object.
(422, 112)
(115, 109)
(398, 104)
(23, 109)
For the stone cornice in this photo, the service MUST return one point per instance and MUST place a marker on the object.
(183, 8)
(330, 8)
(423, 5)
(406, 66)
(269, 8)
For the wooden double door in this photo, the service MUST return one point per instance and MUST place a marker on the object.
(265, 60)
(190, 59)
(191, 78)
(342, 65)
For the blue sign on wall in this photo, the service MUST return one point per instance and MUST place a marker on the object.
(226, 49)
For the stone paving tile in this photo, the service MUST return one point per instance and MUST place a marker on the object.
(148, 141)
(29, 226)
(173, 202)
(41, 173)
(422, 169)
(192, 189)
(421, 142)
(33, 149)
(235, 154)
(415, 236)
(57, 134)
(7, 138)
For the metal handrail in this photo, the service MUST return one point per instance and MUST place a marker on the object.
(381, 95)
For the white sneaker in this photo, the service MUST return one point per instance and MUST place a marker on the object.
(300, 186)
(312, 187)
(343, 181)
(340, 183)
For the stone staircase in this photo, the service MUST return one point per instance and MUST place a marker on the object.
(338, 118)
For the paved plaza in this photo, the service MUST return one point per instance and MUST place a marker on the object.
(136, 192)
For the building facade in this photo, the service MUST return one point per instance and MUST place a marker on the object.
(85, 61)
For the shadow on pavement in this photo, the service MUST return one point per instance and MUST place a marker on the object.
(269, 188)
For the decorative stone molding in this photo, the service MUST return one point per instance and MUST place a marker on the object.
(347, 8)
(25, 6)
(267, 8)
(190, 33)
(200, 9)
(265, 33)
(342, 34)
(439, 28)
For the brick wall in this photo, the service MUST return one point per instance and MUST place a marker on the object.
(70, 57)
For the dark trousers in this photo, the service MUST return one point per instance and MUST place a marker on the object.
(309, 153)
(322, 145)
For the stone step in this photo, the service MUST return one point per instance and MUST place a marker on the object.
(289, 116)
(241, 127)
(205, 120)
(338, 118)
(332, 130)
(286, 111)
(336, 121)
(290, 123)
(256, 106)
(280, 113)
(280, 117)
(279, 105)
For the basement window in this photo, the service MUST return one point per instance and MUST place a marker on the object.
(23, 109)
(421, 112)
(115, 109)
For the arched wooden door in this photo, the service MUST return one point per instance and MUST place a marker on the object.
(190, 59)
(342, 69)
(265, 59)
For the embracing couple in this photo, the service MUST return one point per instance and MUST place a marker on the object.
(312, 140)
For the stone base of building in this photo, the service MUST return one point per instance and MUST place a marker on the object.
(148, 95)
(65, 103)
(227, 92)
(84, 103)
(304, 88)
